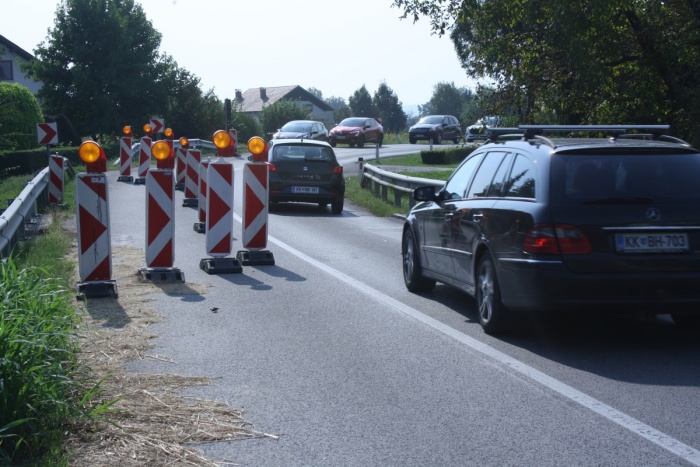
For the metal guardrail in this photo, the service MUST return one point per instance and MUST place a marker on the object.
(379, 182)
(22, 211)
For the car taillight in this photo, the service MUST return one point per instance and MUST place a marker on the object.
(338, 170)
(548, 239)
(271, 167)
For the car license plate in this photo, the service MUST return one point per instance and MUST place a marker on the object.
(311, 190)
(651, 242)
(339, 137)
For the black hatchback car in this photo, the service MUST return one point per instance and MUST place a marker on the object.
(305, 171)
(435, 128)
(529, 222)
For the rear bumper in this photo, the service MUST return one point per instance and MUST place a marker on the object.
(549, 286)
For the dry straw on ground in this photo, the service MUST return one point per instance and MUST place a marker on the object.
(152, 424)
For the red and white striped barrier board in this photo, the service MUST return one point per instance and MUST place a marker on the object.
(255, 206)
(94, 242)
(200, 226)
(255, 199)
(144, 159)
(160, 218)
(219, 223)
(219, 208)
(57, 172)
(125, 159)
(194, 156)
(181, 165)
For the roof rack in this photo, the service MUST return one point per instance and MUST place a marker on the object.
(528, 132)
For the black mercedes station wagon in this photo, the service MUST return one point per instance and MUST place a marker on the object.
(530, 221)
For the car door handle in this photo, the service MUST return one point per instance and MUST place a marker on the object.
(477, 216)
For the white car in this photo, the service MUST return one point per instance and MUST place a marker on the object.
(479, 130)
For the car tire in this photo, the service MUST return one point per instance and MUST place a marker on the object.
(437, 139)
(689, 323)
(337, 206)
(412, 140)
(361, 141)
(470, 140)
(493, 316)
(455, 141)
(332, 143)
(380, 141)
(412, 270)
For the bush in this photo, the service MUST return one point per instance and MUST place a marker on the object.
(19, 115)
(446, 156)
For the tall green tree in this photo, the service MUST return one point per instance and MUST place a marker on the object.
(581, 61)
(389, 109)
(361, 103)
(19, 115)
(100, 66)
(341, 109)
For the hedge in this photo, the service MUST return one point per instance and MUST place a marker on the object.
(446, 156)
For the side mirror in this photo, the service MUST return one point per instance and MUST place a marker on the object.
(425, 193)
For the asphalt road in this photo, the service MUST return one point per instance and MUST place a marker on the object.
(327, 350)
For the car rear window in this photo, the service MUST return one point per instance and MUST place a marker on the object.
(299, 152)
(624, 178)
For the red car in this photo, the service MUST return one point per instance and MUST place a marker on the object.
(357, 131)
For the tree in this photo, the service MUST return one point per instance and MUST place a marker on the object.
(447, 99)
(341, 109)
(582, 61)
(276, 115)
(19, 115)
(316, 92)
(361, 103)
(100, 66)
(389, 109)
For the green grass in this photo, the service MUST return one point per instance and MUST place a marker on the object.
(43, 388)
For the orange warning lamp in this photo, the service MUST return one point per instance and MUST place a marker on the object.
(258, 148)
(89, 152)
(160, 150)
(169, 133)
(224, 143)
(184, 142)
(94, 156)
(126, 130)
(148, 129)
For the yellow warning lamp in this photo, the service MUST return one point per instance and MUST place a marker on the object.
(168, 133)
(160, 150)
(258, 148)
(184, 142)
(148, 129)
(126, 130)
(89, 152)
(221, 139)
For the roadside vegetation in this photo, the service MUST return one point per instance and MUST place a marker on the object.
(43, 387)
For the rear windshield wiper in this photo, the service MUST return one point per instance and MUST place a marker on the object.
(621, 200)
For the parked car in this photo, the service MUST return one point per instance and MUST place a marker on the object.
(480, 130)
(304, 129)
(435, 128)
(543, 223)
(357, 131)
(307, 171)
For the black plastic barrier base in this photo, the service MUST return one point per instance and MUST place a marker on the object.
(190, 202)
(180, 186)
(256, 257)
(97, 289)
(220, 265)
(125, 178)
(200, 227)
(162, 275)
(140, 181)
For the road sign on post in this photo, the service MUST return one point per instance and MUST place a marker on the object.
(47, 133)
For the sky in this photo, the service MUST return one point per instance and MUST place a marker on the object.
(334, 46)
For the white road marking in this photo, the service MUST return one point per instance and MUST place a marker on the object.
(647, 432)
